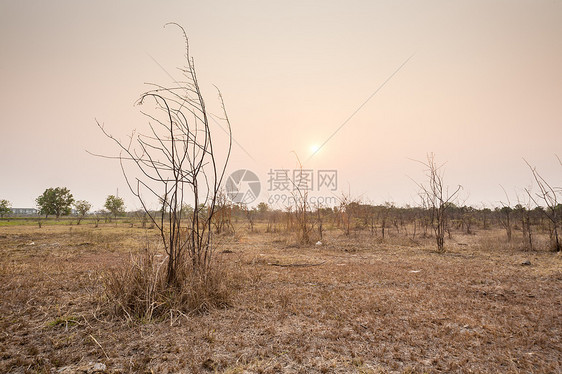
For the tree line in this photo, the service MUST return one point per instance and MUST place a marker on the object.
(59, 201)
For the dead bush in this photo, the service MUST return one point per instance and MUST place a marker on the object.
(138, 289)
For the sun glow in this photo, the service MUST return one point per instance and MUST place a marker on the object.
(314, 148)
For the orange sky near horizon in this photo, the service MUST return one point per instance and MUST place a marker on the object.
(482, 90)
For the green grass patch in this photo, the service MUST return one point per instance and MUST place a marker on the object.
(63, 221)
(64, 321)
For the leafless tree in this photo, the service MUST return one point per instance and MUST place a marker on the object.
(319, 220)
(301, 205)
(176, 163)
(223, 214)
(549, 196)
(523, 209)
(505, 215)
(349, 209)
(384, 213)
(437, 197)
(250, 214)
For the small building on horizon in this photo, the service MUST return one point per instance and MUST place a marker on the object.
(24, 211)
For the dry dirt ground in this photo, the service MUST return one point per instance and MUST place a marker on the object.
(350, 305)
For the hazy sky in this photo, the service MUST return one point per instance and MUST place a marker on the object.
(482, 90)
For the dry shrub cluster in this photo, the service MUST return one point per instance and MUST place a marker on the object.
(138, 289)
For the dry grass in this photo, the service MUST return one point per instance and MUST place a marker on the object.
(138, 290)
(362, 306)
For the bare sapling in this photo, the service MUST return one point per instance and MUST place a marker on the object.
(223, 215)
(505, 215)
(438, 198)
(250, 214)
(549, 196)
(348, 208)
(177, 164)
(524, 213)
(319, 220)
(303, 225)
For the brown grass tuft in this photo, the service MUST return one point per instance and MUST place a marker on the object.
(138, 289)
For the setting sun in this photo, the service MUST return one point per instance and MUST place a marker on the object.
(314, 148)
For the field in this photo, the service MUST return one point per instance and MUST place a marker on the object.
(355, 304)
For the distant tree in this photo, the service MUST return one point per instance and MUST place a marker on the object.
(222, 219)
(250, 214)
(523, 212)
(505, 215)
(5, 207)
(115, 205)
(263, 208)
(349, 209)
(318, 221)
(437, 198)
(549, 196)
(187, 210)
(82, 207)
(55, 201)
(484, 214)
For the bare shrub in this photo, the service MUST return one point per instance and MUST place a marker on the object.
(138, 289)
(349, 209)
(299, 220)
(223, 215)
(549, 196)
(176, 164)
(436, 196)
